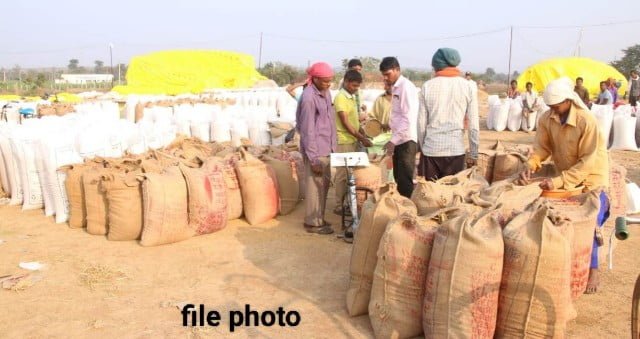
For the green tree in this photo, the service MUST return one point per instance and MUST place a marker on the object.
(490, 73)
(281, 73)
(73, 65)
(416, 75)
(630, 60)
(99, 68)
(17, 72)
(41, 79)
(369, 64)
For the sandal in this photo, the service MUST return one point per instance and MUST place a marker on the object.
(318, 229)
(338, 211)
(348, 235)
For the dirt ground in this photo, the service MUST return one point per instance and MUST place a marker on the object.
(92, 287)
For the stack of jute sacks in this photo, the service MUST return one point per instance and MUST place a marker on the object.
(463, 258)
(188, 188)
(55, 108)
(501, 161)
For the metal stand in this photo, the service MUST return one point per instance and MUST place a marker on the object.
(350, 160)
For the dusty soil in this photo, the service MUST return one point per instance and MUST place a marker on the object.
(92, 287)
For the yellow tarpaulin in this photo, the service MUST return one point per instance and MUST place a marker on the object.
(65, 97)
(590, 70)
(176, 72)
(62, 97)
(10, 97)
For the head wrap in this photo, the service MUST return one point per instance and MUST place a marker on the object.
(319, 70)
(559, 90)
(445, 57)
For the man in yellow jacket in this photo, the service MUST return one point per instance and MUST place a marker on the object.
(569, 134)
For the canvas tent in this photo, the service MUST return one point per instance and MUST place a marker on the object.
(175, 72)
(590, 70)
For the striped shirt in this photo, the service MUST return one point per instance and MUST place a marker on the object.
(445, 102)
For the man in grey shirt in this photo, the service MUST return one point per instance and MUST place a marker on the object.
(605, 97)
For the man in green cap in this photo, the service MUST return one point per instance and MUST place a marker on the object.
(445, 102)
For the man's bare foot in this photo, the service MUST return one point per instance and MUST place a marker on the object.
(594, 281)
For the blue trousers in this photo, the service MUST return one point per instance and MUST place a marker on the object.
(603, 215)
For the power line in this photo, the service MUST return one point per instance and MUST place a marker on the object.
(531, 46)
(51, 51)
(581, 26)
(89, 47)
(387, 41)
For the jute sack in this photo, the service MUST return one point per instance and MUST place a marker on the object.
(384, 164)
(395, 309)
(234, 195)
(276, 152)
(207, 197)
(471, 180)
(75, 194)
(165, 216)
(463, 279)
(535, 293)
(139, 111)
(487, 159)
(255, 151)
(508, 165)
(288, 186)
(384, 205)
(124, 196)
(430, 196)
(95, 201)
(278, 129)
(166, 159)
(4, 175)
(259, 189)
(581, 212)
(223, 150)
(297, 158)
(508, 194)
(190, 148)
(368, 178)
(617, 190)
(486, 163)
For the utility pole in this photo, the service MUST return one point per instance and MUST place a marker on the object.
(578, 47)
(111, 62)
(260, 52)
(510, 46)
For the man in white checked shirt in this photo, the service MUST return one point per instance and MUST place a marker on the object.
(445, 101)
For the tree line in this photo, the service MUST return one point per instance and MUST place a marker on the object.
(284, 74)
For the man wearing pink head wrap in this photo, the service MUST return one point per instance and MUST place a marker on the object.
(319, 70)
(315, 121)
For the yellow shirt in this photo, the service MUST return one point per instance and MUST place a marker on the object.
(348, 103)
(577, 149)
(381, 109)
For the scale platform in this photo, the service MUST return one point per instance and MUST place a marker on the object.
(353, 159)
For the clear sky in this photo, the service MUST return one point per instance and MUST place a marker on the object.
(40, 33)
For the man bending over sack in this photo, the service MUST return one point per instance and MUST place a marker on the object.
(568, 133)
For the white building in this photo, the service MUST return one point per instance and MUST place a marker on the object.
(83, 79)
